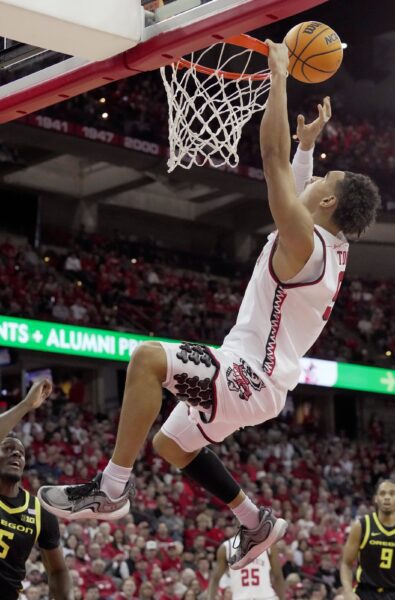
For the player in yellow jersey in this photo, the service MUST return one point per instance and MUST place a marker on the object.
(372, 541)
(23, 521)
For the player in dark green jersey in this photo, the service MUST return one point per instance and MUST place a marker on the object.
(372, 541)
(23, 521)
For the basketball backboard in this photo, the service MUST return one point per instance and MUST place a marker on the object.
(171, 30)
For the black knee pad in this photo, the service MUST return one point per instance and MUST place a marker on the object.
(210, 472)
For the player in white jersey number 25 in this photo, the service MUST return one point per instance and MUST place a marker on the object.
(287, 302)
(262, 579)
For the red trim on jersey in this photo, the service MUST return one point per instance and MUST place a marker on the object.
(206, 436)
(295, 285)
(275, 320)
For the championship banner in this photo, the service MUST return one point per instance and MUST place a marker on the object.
(43, 336)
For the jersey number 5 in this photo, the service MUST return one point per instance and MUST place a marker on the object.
(329, 308)
(3, 546)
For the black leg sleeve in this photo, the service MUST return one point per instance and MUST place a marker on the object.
(210, 472)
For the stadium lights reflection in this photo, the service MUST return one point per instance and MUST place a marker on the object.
(46, 259)
(133, 261)
(344, 45)
(388, 353)
(104, 115)
(102, 100)
(323, 155)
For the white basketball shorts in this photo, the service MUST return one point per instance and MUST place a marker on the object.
(218, 393)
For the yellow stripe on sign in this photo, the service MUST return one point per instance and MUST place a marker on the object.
(367, 532)
(38, 518)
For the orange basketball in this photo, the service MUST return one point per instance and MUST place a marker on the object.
(315, 52)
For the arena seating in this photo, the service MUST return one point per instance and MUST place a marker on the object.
(165, 548)
(137, 107)
(115, 283)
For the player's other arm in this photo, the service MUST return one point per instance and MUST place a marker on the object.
(293, 221)
(307, 134)
(36, 396)
(278, 581)
(59, 580)
(220, 568)
(350, 554)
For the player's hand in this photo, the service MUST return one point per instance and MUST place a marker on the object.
(307, 133)
(278, 58)
(39, 392)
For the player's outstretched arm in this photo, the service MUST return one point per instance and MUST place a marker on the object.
(293, 221)
(307, 134)
(59, 579)
(350, 554)
(278, 580)
(35, 397)
(221, 567)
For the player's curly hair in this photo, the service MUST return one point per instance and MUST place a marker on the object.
(358, 199)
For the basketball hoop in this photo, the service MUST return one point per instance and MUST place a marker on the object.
(209, 106)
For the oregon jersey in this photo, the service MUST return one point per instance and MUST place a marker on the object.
(376, 555)
(22, 523)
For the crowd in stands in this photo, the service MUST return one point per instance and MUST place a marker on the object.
(142, 288)
(165, 548)
(137, 107)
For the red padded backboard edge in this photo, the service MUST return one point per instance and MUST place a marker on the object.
(151, 54)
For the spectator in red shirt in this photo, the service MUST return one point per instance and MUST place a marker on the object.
(128, 590)
(199, 544)
(97, 577)
(171, 557)
(309, 566)
(68, 475)
(168, 591)
(92, 593)
(140, 574)
(203, 572)
(151, 554)
(156, 578)
(147, 591)
(162, 535)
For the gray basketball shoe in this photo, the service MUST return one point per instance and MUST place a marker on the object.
(252, 542)
(85, 501)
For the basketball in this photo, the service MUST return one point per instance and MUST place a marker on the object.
(315, 52)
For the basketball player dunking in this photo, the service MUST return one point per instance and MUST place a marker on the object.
(286, 305)
(372, 541)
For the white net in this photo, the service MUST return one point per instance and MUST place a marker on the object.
(208, 110)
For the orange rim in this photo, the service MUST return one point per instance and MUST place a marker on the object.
(243, 41)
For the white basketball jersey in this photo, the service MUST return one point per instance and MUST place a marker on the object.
(253, 581)
(279, 322)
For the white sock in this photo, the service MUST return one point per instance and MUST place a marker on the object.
(247, 513)
(114, 480)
